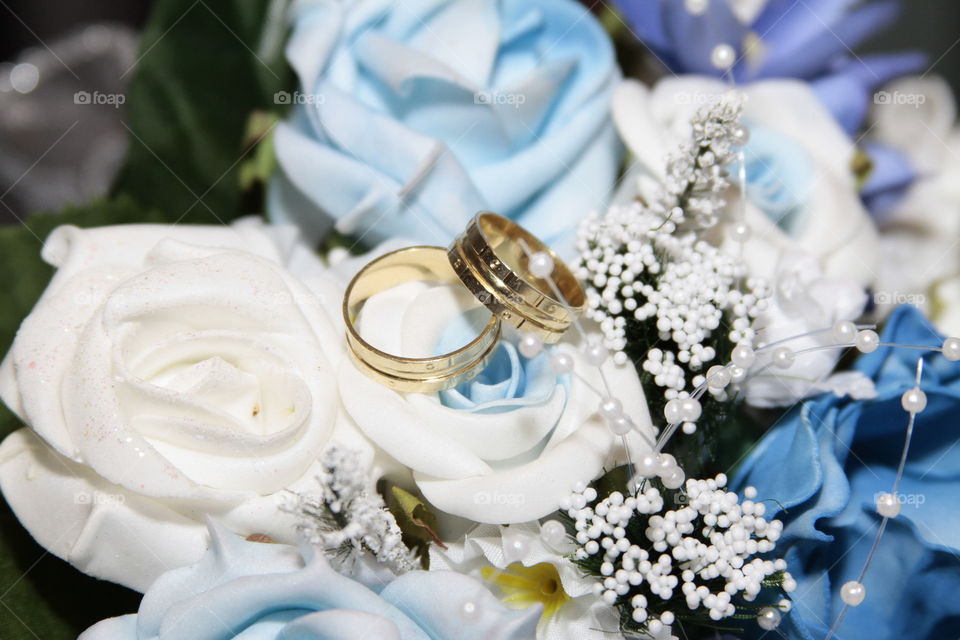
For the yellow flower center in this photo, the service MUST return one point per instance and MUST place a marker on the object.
(525, 586)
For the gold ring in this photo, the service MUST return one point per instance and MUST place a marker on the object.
(492, 257)
(421, 375)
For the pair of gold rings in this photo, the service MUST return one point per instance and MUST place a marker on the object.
(492, 258)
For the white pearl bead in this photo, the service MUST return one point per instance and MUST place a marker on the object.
(541, 264)
(888, 505)
(844, 331)
(667, 463)
(621, 425)
(853, 593)
(951, 349)
(690, 410)
(867, 341)
(649, 465)
(530, 345)
(743, 355)
(718, 377)
(553, 533)
(611, 408)
(696, 7)
(673, 412)
(769, 618)
(689, 428)
(913, 400)
(674, 479)
(561, 363)
(741, 135)
(517, 549)
(723, 56)
(783, 357)
(595, 354)
(737, 374)
(470, 610)
(741, 232)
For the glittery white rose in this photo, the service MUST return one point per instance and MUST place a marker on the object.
(166, 374)
(504, 447)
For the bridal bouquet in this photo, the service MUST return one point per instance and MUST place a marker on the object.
(495, 320)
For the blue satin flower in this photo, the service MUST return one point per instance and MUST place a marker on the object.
(412, 116)
(509, 380)
(804, 39)
(255, 591)
(821, 469)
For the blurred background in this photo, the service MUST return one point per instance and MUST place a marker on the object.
(64, 66)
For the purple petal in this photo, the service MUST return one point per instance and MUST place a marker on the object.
(847, 92)
(889, 179)
(809, 49)
(646, 19)
(695, 37)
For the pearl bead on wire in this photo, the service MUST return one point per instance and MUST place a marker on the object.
(611, 408)
(723, 56)
(561, 363)
(718, 377)
(621, 425)
(888, 505)
(530, 345)
(553, 533)
(595, 353)
(784, 357)
(743, 355)
(853, 593)
(470, 610)
(867, 341)
(844, 331)
(769, 618)
(913, 400)
(648, 465)
(541, 264)
(741, 231)
(951, 349)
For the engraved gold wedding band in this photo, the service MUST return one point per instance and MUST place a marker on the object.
(421, 375)
(492, 258)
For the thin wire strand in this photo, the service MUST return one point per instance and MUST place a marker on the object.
(883, 523)
(558, 295)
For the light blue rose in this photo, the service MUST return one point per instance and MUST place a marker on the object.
(413, 116)
(509, 381)
(820, 471)
(779, 175)
(255, 591)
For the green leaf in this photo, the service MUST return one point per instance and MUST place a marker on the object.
(204, 66)
(417, 523)
(261, 163)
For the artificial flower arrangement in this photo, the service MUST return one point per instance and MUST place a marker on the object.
(664, 391)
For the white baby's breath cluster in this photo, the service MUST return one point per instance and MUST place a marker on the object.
(651, 262)
(346, 518)
(696, 176)
(707, 550)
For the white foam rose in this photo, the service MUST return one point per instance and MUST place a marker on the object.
(504, 460)
(801, 188)
(167, 374)
(921, 264)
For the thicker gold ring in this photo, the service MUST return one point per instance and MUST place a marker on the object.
(421, 375)
(491, 257)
